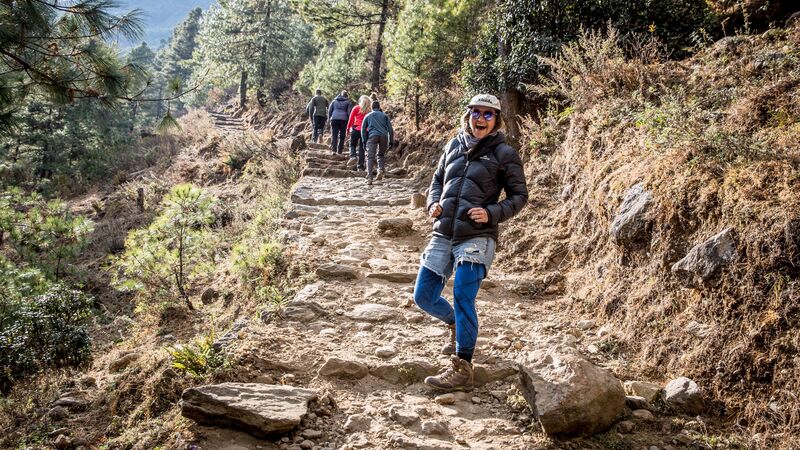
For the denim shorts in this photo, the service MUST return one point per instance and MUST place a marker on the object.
(441, 256)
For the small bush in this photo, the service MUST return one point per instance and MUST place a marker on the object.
(43, 233)
(175, 251)
(41, 332)
(197, 359)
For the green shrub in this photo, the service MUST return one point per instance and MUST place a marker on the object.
(168, 257)
(47, 330)
(197, 359)
(43, 233)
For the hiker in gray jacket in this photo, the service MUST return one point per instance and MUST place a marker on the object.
(338, 114)
(376, 131)
(317, 112)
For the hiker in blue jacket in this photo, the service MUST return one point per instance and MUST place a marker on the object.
(338, 114)
(376, 131)
(464, 202)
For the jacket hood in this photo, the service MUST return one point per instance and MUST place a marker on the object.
(339, 98)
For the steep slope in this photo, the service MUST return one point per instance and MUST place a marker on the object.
(651, 159)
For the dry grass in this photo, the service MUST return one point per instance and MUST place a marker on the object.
(716, 140)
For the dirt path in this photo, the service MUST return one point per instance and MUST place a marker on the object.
(361, 311)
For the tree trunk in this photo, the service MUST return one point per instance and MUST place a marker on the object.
(511, 98)
(416, 110)
(376, 62)
(262, 68)
(243, 90)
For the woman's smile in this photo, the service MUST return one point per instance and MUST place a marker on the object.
(481, 127)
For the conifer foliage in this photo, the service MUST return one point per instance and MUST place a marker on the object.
(59, 49)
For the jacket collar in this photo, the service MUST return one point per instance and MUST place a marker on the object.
(483, 147)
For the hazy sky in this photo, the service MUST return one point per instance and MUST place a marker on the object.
(160, 17)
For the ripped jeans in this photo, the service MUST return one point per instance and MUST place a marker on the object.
(472, 260)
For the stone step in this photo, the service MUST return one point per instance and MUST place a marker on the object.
(350, 190)
(332, 173)
(319, 146)
(326, 155)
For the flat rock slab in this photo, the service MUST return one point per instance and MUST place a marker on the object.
(373, 312)
(260, 409)
(394, 277)
(340, 368)
(337, 271)
(316, 191)
(406, 372)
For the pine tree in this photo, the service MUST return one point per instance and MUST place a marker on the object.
(59, 49)
(427, 47)
(334, 19)
(261, 39)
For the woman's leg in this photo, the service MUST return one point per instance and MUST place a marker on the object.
(355, 136)
(465, 288)
(428, 295)
(362, 164)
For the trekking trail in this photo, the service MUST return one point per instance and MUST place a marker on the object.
(360, 318)
(226, 122)
(355, 337)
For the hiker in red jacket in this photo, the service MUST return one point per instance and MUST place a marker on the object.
(354, 126)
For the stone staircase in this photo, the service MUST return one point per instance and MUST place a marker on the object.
(228, 123)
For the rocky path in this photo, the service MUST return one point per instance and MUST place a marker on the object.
(357, 335)
(356, 338)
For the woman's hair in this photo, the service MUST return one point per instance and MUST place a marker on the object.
(498, 121)
(364, 104)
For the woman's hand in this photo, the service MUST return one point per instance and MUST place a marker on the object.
(435, 210)
(478, 215)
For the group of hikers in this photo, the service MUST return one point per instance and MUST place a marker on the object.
(369, 127)
(475, 167)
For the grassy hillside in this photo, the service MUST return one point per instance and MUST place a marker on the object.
(714, 139)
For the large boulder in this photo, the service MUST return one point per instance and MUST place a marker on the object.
(570, 395)
(630, 224)
(260, 409)
(704, 260)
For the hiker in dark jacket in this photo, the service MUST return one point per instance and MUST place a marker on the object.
(376, 131)
(317, 111)
(464, 201)
(338, 114)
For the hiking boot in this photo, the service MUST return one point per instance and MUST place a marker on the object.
(380, 176)
(456, 378)
(369, 181)
(450, 347)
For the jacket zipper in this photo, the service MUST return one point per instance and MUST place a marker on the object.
(458, 197)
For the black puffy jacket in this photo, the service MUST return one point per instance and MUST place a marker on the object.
(468, 179)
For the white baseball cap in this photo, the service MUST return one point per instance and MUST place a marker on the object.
(488, 100)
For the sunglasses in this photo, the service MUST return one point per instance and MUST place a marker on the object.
(487, 115)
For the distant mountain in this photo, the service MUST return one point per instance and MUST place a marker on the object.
(160, 18)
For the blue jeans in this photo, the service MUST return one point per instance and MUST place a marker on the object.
(471, 260)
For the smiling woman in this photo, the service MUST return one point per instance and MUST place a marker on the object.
(475, 168)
